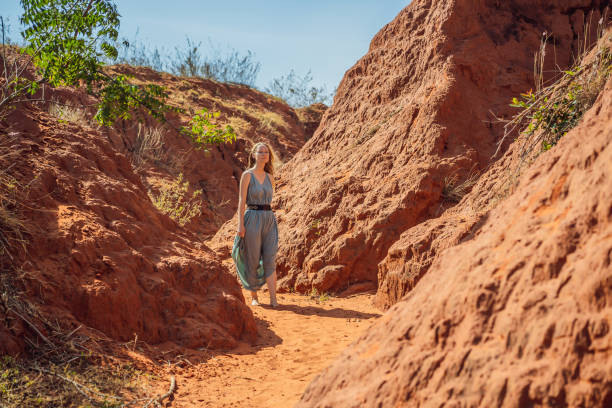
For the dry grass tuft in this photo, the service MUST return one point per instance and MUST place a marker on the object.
(69, 113)
(240, 125)
(270, 122)
(149, 147)
(173, 199)
(453, 190)
(12, 226)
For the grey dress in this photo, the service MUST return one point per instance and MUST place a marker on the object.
(260, 243)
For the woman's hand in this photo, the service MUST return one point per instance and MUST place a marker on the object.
(241, 231)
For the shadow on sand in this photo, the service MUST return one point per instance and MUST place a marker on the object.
(265, 336)
(171, 354)
(318, 311)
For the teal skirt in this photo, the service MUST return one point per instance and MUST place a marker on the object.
(250, 282)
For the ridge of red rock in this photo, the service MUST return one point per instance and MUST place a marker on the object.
(410, 257)
(414, 111)
(518, 314)
(99, 253)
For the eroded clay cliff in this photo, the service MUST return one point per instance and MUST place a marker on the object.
(96, 251)
(519, 314)
(414, 112)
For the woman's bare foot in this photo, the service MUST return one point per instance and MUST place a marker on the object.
(254, 300)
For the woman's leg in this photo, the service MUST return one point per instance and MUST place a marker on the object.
(254, 299)
(271, 282)
(269, 250)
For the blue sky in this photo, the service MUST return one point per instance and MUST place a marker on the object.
(327, 37)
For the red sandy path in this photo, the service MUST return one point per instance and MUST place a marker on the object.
(296, 341)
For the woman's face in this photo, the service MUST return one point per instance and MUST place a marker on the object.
(262, 154)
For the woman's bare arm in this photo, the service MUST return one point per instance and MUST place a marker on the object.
(242, 193)
(271, 177)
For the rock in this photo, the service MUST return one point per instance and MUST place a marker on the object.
(410, 257)
(411, 114)
(100, 254)
(518, 313)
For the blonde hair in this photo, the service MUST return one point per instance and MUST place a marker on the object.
(269, 166)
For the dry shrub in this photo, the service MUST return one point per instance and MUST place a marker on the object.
(453, 190)
(149, 147)
(69, 113)
(173, 199)
(175, 161)
(12, 225)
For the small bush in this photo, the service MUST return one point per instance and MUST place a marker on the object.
(297, 91)
(149, 147)
(203, 131)
(549, 112)
(453, 190)
(316, 226)
(223, 66)
(173, 200)
(68, 113)
(319, 297)
(554, 110)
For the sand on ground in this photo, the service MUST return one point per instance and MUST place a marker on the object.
(295, 342)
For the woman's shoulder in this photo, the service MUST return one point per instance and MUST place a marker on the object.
(246, 176)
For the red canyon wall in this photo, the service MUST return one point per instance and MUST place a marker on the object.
(519, 314)
(412, 113)
(98, 252)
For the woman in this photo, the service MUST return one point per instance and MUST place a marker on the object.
(256, 243)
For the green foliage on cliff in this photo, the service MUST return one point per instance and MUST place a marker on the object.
(174, 200)
(203, 130)
(554, 110)
(66, 42)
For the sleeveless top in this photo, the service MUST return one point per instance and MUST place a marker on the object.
(259, 193)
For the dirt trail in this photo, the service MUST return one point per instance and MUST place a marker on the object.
(295, 342)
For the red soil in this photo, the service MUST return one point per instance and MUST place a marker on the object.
(295, 342)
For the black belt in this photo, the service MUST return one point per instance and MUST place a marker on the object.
(258, 207)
